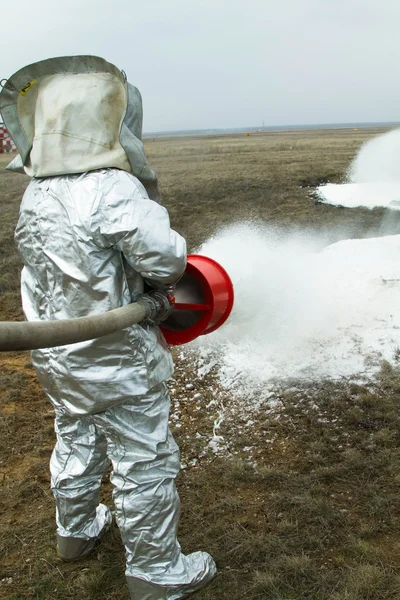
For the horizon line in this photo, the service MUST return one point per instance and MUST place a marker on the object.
(354, 124)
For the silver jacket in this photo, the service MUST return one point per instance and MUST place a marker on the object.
(88, 242)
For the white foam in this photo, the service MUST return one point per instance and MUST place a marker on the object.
(377, 160)
(366, 195)
(300, 311)
(373, 176)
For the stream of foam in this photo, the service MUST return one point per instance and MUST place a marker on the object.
(302, 309)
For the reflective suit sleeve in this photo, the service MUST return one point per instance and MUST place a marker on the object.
(140, 229)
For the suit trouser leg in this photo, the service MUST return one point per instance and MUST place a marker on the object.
(145, 461)
(77, 465)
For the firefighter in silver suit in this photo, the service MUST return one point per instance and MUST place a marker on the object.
(91, 231)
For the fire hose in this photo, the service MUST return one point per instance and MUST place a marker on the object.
(23, 335)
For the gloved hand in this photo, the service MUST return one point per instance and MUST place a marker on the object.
(168, 288)
(160, 305)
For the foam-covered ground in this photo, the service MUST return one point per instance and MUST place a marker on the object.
(367, 195)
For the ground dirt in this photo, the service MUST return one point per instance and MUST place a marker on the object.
(302, 498)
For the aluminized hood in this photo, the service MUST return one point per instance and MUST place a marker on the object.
(75, 114)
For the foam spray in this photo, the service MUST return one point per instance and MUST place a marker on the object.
(302, 309)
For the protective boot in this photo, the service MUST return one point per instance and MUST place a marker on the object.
(141, 588)
(70, 549)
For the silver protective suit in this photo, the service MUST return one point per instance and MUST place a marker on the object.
(88, 241)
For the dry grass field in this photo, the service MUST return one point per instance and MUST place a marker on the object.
(319, 516)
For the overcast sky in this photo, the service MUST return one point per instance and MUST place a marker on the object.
(226, 63)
